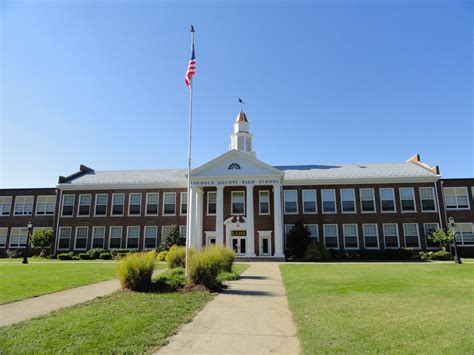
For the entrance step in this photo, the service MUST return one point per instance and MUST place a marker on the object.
(258, 258)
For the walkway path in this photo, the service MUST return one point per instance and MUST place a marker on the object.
(251, 317)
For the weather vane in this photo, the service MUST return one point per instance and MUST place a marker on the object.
(242, 103)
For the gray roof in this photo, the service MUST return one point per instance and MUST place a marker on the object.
(158, 176)
(354, 171)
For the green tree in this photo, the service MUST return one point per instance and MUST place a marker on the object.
(42, 239)
(442, 236)
(173, 237)
(297, 240)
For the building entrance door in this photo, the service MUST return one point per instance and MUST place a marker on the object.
(238, 242)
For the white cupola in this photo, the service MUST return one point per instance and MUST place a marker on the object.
(241, 139)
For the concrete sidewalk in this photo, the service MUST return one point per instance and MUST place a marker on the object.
(251, 317)
(15, 312)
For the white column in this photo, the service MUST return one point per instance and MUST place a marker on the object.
(198, 214)
(250, 222)
(278, 221)
(220, 215)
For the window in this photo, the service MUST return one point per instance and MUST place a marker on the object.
(183, 210)
(64, 237)
(238, 202)
(330, 236)
(81, 238)
(371, 236)
(101, 204)
(427, 197)
(169, 203)
(133, 234)
(150, 233)
(313, 228)
(24, 205)
(84, 205)
(45, 205)
(68, 205)
(3, 237)
(390, 235)
(430, 228)
(5, 205)
(182, 231)
(387, 200)
(115, 237)
(118, 201)
(407, 199)
(18, 237)
(348, 201)
(164, 231)
(152, 204)
(98, 237)
(288, 228)
(264, 202)
(211, 202)
(290, 198)
(456, 198)
(464, 233)
(329, 201)
(351, 236)
(410, 231)
(367, 200)
(134, 204)
(309, 201)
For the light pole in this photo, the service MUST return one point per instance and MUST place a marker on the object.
(25, 255)
(457, 259)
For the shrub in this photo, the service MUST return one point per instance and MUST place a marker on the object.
(13, 253)
(228, 257)
(135, 270)
(42, 239)
(95, 253)
(438, 255)
(84, 256)
(173, 279)
(120, 253)
(316, 252)
(204, 268)
(297, 240)
(227, 276)
(162, 256)
(172, 238)
(105, 256)
(64, 256)
(176, 257)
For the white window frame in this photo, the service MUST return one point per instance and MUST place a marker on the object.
(260, 202)
(322, 201)
(183, 201)
(315, 200)
(401, 200)
(110, 236)
(422, 199)
(398, 236)
(20, 236)
(232, 202)
(460, 233)
(145, 228)
(373, 200)
(3, 235)
(182, 234)
(94, 228)
(426, 237)
(24, 198)
(456, 197)
(316, 228)
(112, 205)
(394, 200)
(207, 203)
(164, 203)
(376, 235)
(3, 204)
(354, 201)
(157, 203)
(163, 228)
(59, 238)
(79, 206)
(417, 235)
(75, 237)
(284, 202)
(138, 237)
(337, 235)
(106, 205)
(73, 203)
(130, 204)
(45, 204)
(356, 236)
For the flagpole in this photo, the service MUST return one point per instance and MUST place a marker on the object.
(188, 212)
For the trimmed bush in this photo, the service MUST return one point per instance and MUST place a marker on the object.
(119, 253)
(95, 253)
(14, 253)
(172, 279)
(316, 252)
(105, 256)
(64, 256)
(176, 257)
(135, 270)
(162, 256)
(84, 256)
(438, 255)
(204, 268)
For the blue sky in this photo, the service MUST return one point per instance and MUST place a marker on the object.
(325, 82)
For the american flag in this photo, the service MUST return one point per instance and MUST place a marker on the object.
(191, 68)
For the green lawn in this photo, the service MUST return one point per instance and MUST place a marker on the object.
(20, 281)
(382, 308)
(124, 322)
(239, 268)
